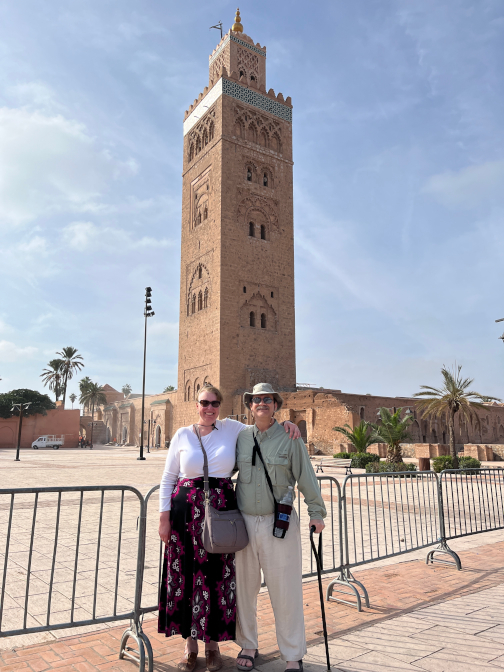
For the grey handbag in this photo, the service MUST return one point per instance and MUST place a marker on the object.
(222, 531)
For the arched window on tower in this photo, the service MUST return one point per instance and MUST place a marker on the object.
(252, 229)
(211, 131)
(205, 298)
(198, 145)
(205, 213)
(193, 304)
(197, 390)
(252, 318)
(200, 301)
(265, 179)
(200, 272)
(191, 152)
(263, 320)
(263, 232)
(205, 138)
(188, 395)
(198, 218)
(188, 308)
(249, 174)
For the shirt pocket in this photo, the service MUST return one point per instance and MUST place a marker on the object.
(245, 469)
(279, 470)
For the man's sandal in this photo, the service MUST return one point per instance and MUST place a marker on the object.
(291, 669)
(246, 668)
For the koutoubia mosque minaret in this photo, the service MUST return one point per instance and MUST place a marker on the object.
(237, 270)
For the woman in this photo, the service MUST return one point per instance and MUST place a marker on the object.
(198, 589)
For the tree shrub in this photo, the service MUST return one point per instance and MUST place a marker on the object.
(469, 463)
(343, 456)
(384, 467)
(442, 462)
(361, 460)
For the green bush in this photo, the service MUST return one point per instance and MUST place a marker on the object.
(343, 456)
(361, 460)
(442, 462)
(469, 463)
(381, 467)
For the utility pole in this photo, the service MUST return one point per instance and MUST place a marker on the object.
(148, 312)
(20, 408)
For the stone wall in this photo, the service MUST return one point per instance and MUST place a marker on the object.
(57, 421)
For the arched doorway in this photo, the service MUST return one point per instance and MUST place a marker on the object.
(109, 435)
(124, 434)
(302, 428)
(158, 436)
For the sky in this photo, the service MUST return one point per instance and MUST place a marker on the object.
(398, 184)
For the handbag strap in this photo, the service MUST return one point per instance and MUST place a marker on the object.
(257, 451)
(205, 467)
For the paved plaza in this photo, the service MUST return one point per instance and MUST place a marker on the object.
(421, 617)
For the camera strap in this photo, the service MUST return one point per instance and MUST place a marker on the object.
(257, 451)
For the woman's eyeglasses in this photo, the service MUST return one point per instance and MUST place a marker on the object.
(205, 403)
(264, 400)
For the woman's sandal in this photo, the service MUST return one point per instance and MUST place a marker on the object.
(213, 660)
(188, 662)
(246, 668)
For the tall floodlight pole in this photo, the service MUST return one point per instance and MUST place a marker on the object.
(20, 408)
(148, 312)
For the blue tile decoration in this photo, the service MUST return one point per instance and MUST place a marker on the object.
(256, 99)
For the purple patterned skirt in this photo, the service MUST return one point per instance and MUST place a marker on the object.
(198, 589)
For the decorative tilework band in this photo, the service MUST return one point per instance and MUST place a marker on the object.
(241, 93)
(242, 43)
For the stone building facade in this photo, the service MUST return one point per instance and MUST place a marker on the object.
(236, 323)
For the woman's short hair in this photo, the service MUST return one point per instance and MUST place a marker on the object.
(208, 387)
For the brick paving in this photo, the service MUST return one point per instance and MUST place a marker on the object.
(421, 618)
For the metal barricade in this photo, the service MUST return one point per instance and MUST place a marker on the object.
(472, 501)
(385, 515)
(79, 564)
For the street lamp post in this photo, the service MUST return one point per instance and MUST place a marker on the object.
(20, 408)
(148, 312)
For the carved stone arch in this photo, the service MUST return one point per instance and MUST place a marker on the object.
(198, 144)
(196, 279)
(258, 305)
(191, 151)
(267, 172)
(276, 142)
(201, 208)
(205, 138)
(187, 391)
(252, 167)
(260, 210)
(264, 138)
(252, 132)
(211, 130)
(239, 128)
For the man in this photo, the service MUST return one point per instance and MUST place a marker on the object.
(287, 463)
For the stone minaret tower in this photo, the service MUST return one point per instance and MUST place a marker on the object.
(237, 273)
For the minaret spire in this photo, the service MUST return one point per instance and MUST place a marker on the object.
(237, 26)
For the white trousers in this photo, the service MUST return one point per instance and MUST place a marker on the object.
(280, 561)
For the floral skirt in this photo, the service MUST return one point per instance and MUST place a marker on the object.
(198, 589)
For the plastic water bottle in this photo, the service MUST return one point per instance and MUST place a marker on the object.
(284, 510)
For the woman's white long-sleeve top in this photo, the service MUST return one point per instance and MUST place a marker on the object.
(185, 457)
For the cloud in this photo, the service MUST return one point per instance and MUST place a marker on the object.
(83, 235)
(50, 164)
(469, 187)
(10, 352)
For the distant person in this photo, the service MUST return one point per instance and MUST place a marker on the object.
(198, 589)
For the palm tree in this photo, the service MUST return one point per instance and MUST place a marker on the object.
(359, 436)
(52, 376)
(393, 431)
(454, 396)
(72, 398)
(93, 395)
(72, 363)
(83, 385)
(126, 390)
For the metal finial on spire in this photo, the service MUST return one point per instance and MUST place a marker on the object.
(237, 26)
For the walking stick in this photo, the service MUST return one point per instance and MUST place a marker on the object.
(321, 593)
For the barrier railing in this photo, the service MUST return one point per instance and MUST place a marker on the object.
(79, 564)
(385, 515)
(95, 557)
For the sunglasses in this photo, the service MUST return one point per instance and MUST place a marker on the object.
(205, 403)
(264, 400)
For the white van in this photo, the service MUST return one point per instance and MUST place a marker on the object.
(49, 441)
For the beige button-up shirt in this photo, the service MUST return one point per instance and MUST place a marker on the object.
(287, 462)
